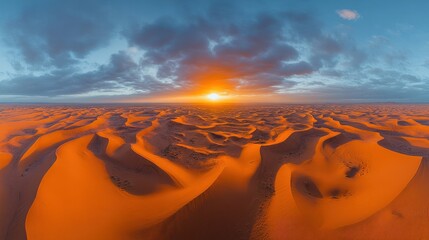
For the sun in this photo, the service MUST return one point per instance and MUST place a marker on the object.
(213, 96)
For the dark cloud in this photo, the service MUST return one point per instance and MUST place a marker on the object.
(120, 73)
(57, 34)
(259, 51)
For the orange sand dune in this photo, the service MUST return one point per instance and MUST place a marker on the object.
(214, 172)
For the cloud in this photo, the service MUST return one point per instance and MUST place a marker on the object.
(348, 14)
(256, 53)
(57, 34)
(120, 73)
(364, 92)
(371, 84)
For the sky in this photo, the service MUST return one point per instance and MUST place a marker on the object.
(244, 51)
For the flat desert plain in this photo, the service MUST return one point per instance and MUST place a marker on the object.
(214, 171)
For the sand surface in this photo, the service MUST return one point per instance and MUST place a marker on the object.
(214, 172)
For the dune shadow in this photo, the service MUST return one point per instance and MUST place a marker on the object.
(129, 171)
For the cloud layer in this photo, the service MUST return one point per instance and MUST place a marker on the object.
(267, 52)
(57, 35)
(254, 54)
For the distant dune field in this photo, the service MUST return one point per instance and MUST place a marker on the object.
(214, 172)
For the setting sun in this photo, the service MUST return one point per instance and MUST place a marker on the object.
(213, 96)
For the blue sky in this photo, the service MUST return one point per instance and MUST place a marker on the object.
(272, 51)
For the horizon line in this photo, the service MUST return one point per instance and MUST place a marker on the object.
(206, 103)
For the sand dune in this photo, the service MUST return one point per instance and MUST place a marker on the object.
(214, 172)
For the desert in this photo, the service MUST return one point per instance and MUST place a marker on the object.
(214, 120)
(214, 171)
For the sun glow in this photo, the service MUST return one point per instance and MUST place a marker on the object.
(213, 96)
